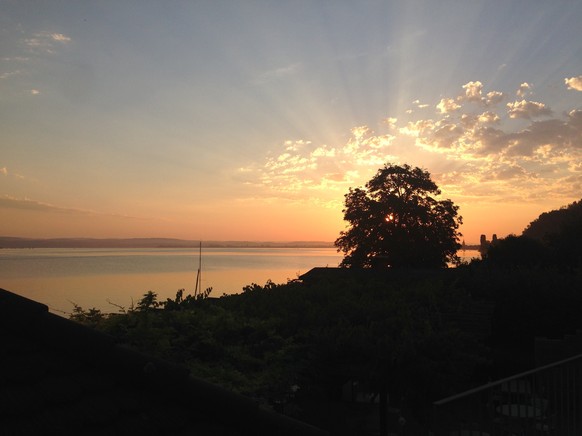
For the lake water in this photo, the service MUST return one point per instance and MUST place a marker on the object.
(92, 277)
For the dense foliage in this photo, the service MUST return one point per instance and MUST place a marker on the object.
(554, 222)
(272, 339)
(295, 345)
(395, 221)
(554, 239)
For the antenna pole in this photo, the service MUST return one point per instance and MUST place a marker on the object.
(200, 268)
(199, 274)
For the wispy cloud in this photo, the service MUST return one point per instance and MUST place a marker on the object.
(303, 167)
(60, 37)
(278, 73)
(9, 74)
(9, 202)
(46, 41)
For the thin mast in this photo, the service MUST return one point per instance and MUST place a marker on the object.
(200, 268)
(199, 275)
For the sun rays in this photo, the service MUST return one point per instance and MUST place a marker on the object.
(188, 115)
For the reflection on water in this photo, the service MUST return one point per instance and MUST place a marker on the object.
(90, 277)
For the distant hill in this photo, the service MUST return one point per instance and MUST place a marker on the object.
(13, 242)
(554, 222)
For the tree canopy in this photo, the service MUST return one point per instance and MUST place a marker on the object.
(395, 221)
(552, 223)
(560, 231)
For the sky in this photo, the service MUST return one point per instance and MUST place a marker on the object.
(250, 120)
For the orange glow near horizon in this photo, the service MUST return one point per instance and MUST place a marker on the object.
(255, 126)
(288, 224)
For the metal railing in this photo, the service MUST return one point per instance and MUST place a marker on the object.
(544, 401)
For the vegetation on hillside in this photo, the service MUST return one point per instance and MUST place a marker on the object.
(554, 239)
(407, 336)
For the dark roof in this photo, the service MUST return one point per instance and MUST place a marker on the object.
(60, 377)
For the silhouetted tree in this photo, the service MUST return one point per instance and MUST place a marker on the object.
(517, 251)
(561, 232)
(554, 222)
(148, 302)
(395, 222)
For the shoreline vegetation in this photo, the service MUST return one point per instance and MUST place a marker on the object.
(17, 242)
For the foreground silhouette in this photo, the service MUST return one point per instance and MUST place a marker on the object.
(395, 222)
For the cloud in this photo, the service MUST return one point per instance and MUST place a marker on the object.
(417, 105)
(574, 83)
(6, 173)
(319, 172)
(488, 117)
(554, 135)
(523, 90)
(420, 105)
(493, 97)
(473, 91)
(475, 151)
(8, 202)
(46, 41)
(34, 91)
(447, 105)
(9, 74)
(60, 37)
(278, 73)
(527, 109)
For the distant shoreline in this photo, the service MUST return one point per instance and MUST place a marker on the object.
(16, 242)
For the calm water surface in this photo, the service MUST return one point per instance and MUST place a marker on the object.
(92, 277)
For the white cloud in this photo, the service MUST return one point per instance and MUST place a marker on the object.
(574, 83)
(493, 97)
(447, 105)
(60, 37)
(523, 90)
(527, 109)
(475, 153)
(417, 104)
(391, 122)
(473, 90)
(319, 171)
(474, 93)
(34, 91)
(488, 117)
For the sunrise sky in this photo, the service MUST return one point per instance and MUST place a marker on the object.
(249, 120)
